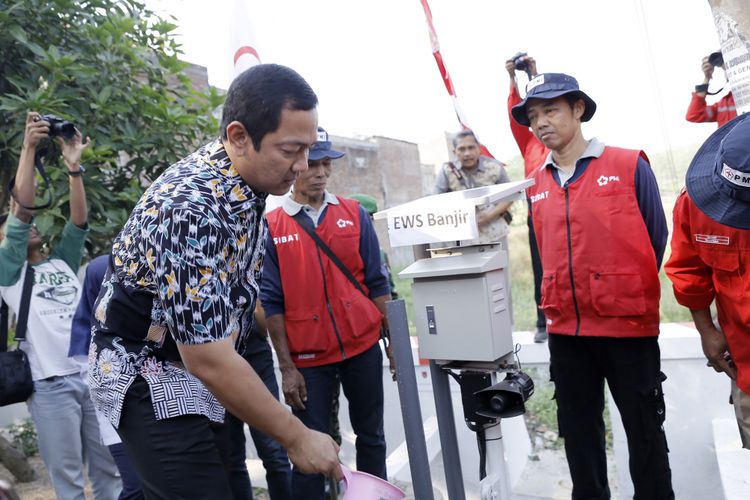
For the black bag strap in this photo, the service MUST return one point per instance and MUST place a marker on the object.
(23, 310)
(304, 222)
(459, 175)
(3, 326)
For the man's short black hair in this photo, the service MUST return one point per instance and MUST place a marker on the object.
(462, 134)
(257, 96)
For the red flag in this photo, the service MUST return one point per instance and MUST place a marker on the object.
(444, 74)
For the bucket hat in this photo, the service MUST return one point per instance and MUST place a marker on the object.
(551, 86)
(718, 178)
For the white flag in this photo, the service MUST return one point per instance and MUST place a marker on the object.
(242, 37)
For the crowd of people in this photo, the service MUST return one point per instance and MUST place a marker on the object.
(147, 372)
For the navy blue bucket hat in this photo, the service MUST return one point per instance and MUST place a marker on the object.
(322, 148)
(718, 178)
(551, 86)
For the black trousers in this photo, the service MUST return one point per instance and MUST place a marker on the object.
(631, 366)
(536, 268)
(185, 457)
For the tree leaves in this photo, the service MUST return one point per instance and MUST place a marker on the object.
(111, 67)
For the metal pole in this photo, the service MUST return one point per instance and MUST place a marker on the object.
(411, 412)
(447, 427)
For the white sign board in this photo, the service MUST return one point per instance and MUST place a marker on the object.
(432, 223)
(445, 217)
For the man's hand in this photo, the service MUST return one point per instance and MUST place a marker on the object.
(36, 131)
(293, 387)
(531, 66)
(72, 150)
(391, 360)
(510, 67)
(715, 348)
(708, 70)
(314, 452)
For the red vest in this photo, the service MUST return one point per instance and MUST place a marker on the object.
(326, 318)
(600, 277)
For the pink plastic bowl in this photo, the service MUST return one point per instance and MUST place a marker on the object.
(364, 486)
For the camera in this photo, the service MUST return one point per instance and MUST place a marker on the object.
(506, 398)
(716, 59)
(521, 65)
(59, 127)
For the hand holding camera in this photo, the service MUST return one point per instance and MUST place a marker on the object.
(521, 61)
(40, 127)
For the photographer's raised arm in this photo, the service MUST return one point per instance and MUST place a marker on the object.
(23, 189)
(71, 152)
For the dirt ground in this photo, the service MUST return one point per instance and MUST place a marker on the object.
(42, 489)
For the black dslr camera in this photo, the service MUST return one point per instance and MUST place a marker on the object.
(521, 64)
(59, 127)
(716, 59)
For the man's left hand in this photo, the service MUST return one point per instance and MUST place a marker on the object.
(391, 360)
(73, 149)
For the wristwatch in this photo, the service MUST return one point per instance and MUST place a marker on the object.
(77, 173)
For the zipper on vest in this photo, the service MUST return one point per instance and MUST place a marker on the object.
(570, 260)
(329, 308)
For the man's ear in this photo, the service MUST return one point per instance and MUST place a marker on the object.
(238, 137)
(578, 109)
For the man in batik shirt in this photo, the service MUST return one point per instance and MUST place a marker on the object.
(177, 302)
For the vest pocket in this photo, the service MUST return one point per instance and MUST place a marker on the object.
(550, 296)
(362, 316)
(617, 294)
(303, 328)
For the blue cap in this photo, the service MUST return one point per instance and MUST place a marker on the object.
(322, 148)
(551, 86)
(718, 178)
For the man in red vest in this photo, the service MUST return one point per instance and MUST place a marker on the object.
(710, 252)
(324, 294)
(601, 231)
(533, 153)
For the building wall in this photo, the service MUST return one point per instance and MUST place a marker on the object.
(388, 170)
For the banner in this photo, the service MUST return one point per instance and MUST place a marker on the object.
(445, 76)
(732, 19)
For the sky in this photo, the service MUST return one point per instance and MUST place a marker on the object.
(370, 62)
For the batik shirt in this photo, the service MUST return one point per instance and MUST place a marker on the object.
(185, 269)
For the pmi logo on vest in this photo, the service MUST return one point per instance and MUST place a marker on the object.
(605, 179)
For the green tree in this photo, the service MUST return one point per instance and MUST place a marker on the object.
(112, 68)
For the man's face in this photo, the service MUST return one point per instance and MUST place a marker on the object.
(467, 152)
(554, 121)
(312, 183)
(282, 155)
(35, 239)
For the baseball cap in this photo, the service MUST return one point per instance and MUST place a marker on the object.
(322, 148)
(369, 203)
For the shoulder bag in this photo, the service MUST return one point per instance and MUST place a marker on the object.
(16, 384)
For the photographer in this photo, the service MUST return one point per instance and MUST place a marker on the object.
(719, 112)
(60, 406)
(534, 153)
